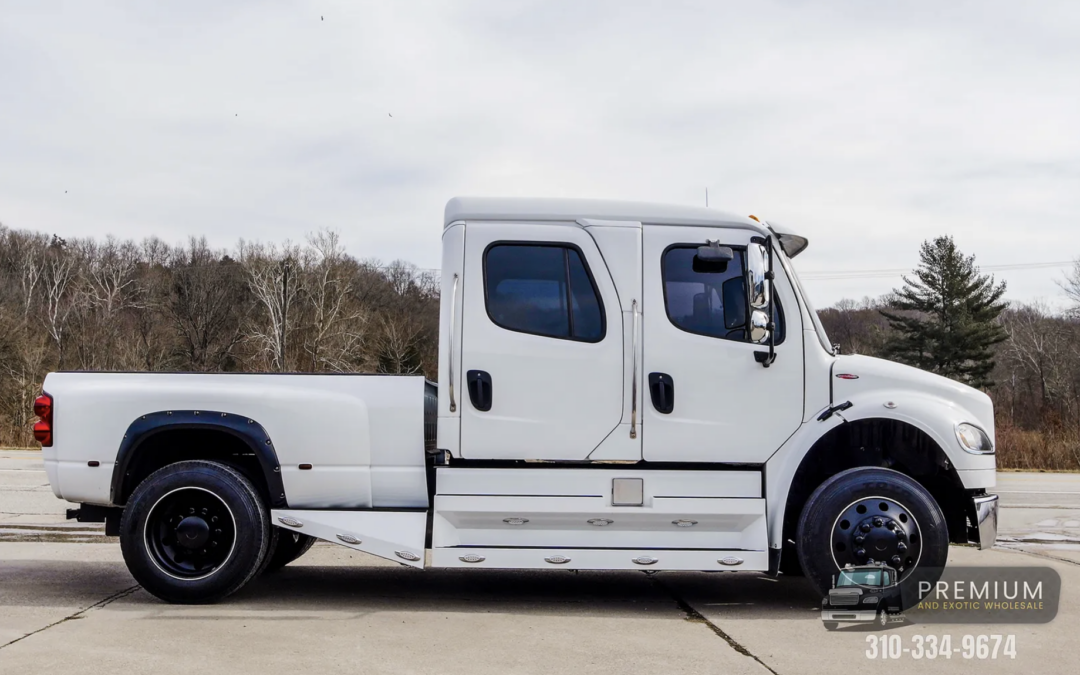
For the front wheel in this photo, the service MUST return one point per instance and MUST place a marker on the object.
(194, 532)
(869, 516)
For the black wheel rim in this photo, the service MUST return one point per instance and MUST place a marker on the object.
(190, 533)
(877, 530)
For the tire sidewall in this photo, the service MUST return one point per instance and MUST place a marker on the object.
(248, 513)
(831, 497)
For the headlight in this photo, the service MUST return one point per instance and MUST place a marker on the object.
(872, 600)
(973, 439)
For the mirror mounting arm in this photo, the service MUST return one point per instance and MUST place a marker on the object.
(766, 359)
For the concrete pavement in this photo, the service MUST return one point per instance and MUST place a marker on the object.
(72, 607)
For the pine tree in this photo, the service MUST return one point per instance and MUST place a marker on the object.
(944, 319)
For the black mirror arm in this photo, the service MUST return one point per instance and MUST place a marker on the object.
(767, 360)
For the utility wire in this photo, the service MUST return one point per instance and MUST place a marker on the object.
(837, 275)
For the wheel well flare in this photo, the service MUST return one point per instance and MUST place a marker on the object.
(158, 439)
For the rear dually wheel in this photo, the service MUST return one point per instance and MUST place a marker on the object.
(194, 532)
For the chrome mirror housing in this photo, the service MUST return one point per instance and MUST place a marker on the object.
(757, 263)
(759, 326)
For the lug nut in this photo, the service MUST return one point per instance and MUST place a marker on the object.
(901, 547)
(860, 553)
(860, 539)
(891, 525)
(895, 560)
(865, 527)
(878, 522)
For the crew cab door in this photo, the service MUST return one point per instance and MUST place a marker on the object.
(542, 343)
(707, 399)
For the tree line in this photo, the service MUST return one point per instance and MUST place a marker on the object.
(113, 305)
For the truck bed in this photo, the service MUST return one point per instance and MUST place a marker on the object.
(337, 441)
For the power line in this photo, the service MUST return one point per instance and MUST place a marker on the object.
(837, 275)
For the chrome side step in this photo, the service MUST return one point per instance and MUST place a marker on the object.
(394, 535)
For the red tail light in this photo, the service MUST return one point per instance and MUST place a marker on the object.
(43, 408)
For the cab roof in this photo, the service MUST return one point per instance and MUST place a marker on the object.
(515, 208)
(573, 210)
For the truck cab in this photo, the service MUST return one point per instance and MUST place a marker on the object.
(620, 386)
(863, 594)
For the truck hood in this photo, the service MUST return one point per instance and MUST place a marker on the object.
(892, 379)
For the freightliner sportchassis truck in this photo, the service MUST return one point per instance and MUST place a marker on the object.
(621, 386)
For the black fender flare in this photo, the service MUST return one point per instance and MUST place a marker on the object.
(244, 428)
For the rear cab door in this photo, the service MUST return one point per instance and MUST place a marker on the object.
(542, 355)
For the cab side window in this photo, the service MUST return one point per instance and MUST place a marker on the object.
(542, 289)
(708, 302)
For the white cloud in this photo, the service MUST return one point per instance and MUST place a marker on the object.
(869, 126)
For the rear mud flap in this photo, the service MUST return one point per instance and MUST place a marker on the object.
(394, 535)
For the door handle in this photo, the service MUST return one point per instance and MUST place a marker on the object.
(479, 383)
(662, 388)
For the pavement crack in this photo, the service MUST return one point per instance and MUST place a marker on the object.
(697, 617)
(1038, 554)
(77, 615)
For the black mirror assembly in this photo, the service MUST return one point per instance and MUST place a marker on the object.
(713, 258)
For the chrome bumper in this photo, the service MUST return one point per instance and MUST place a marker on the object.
(986, 519)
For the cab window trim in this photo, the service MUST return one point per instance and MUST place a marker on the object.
(565, 245)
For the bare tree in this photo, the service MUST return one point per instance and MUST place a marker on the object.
(273, 282)
(337, 329)
(207, 303)
(57, 276)
(1071, 285)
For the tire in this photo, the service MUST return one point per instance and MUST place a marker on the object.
(789, 561)
(288, 547)
(194, 532)
(831, 625)
(896, 518)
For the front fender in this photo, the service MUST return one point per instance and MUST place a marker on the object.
(933, 415)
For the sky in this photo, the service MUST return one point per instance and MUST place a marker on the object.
(867, 127)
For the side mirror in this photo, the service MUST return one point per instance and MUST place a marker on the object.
(713, 258)
(757, 263)
(759, 326)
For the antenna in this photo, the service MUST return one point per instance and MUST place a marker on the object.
(706, 197)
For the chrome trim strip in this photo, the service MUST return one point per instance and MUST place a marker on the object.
(986, 519)
(633, 379)
(450, 347)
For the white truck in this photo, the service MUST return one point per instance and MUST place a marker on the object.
(622, 386)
